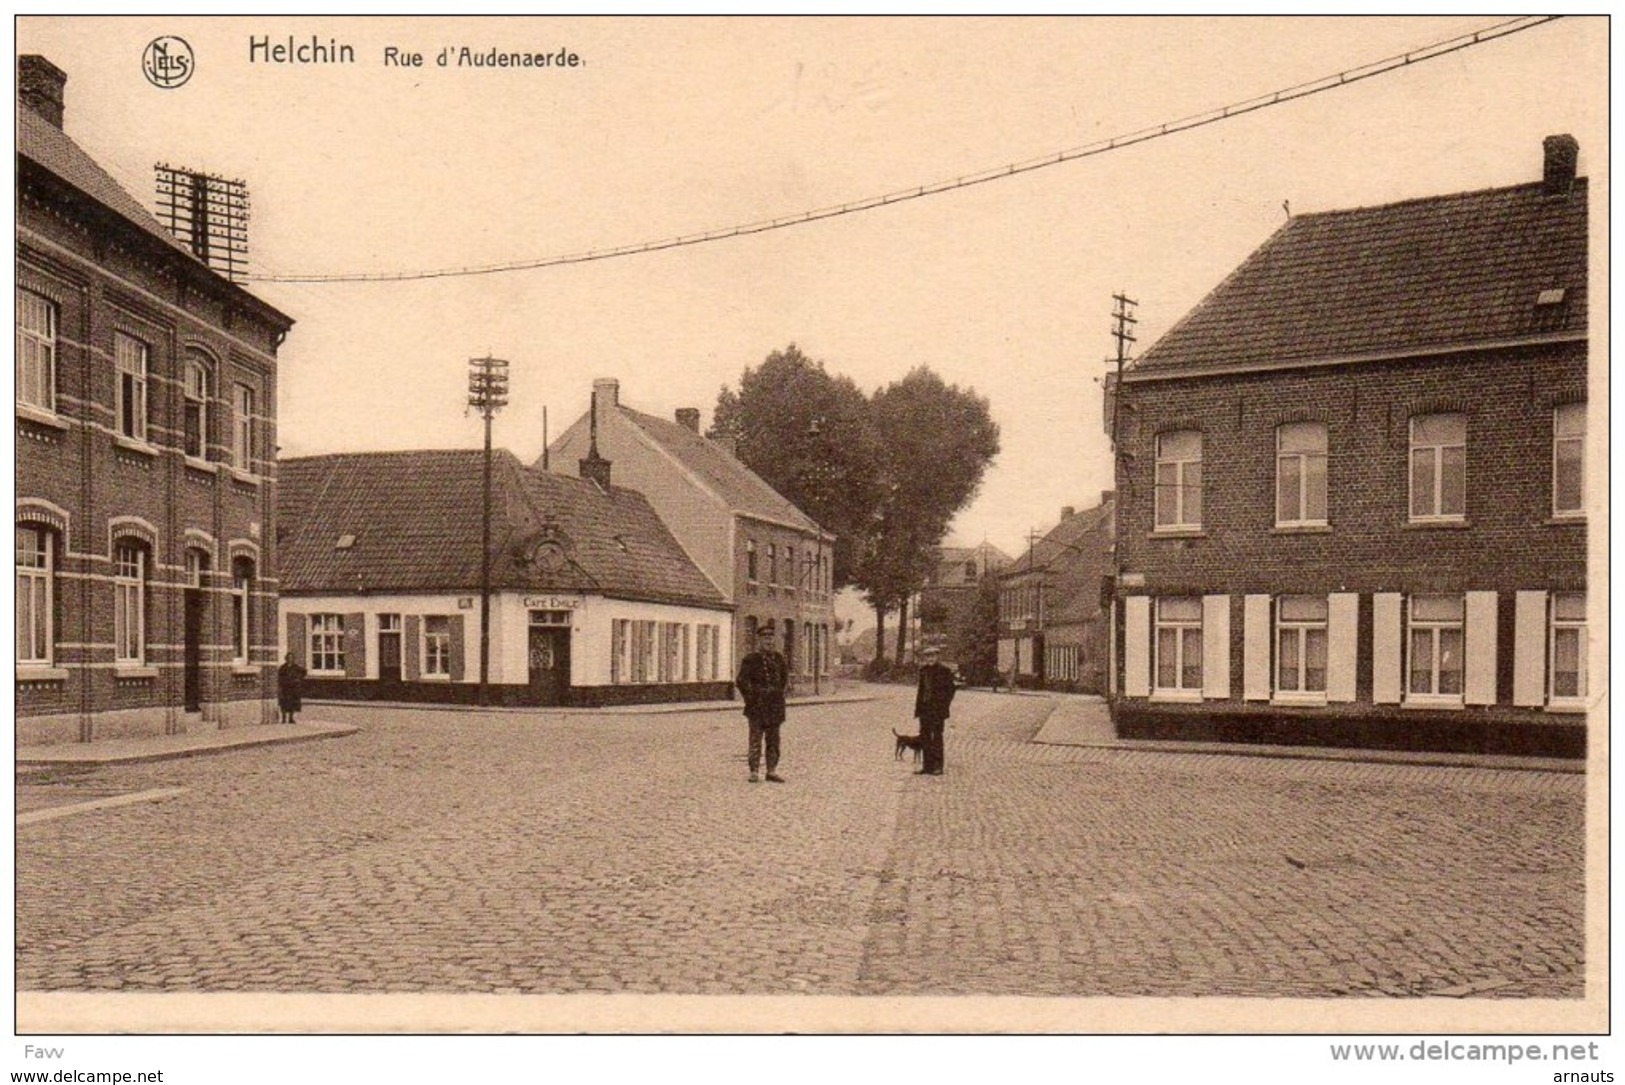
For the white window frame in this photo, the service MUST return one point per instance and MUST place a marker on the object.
(1299, 631)
(36, 351)
(36, 583)
(436, 649)
(752, 569)
(1567, 437)
(1180, 487)
(242, 434)
(325, 644)
(132, 365)
(1180, 626)
(242, 597)
(773, 563)
(1436, 628)
(129, 604)
(196, 380)
(1436, 472)
(618, 657)
(1302, 459)
(1577, 626)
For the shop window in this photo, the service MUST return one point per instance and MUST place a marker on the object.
(326, 653)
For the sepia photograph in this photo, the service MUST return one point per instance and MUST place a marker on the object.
(763, 544)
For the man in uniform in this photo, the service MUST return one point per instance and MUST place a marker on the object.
(931, 701)
(763, 677)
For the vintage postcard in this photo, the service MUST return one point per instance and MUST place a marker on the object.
(834, 525)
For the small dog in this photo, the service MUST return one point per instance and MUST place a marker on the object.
(909, 742)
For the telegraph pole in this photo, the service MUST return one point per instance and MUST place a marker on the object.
(1123, 331)
(487, 393)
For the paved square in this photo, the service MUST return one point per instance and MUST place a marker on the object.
(543, 853)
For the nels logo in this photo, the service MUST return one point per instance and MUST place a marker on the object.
(168, 62)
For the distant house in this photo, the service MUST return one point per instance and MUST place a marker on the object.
(1052, 625)
(766, 557)
(1354, 489)
(145, 459)
(592, 600)
(945, 605)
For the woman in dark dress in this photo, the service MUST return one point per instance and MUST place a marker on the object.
(290, 688)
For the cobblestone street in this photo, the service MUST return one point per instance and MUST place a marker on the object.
(459, 851)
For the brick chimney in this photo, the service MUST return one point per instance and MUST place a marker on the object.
(1068, 511)
(1562, 159)
(605, 392)
(1107, 496)
(689, 418)
(39, 87)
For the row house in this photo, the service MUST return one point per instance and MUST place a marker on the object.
(1353, 485)
(772, 563)
(592, 602)
(145, 459)
(1052, 624)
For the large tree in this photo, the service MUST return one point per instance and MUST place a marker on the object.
(937, 441)
(809, 435)
(885, 473)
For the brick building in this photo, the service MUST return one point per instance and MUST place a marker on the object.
(944, 606)
(592, 600)
(1052, 627)
(1353, 501)
(145, 474)
(769, 560)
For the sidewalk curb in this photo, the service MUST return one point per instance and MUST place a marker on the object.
(30, 759)
(1431, 758)
(666, 709)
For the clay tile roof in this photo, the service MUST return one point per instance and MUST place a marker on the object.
(741, 488)
(42, 142)
(1430, 273)
(413, 522)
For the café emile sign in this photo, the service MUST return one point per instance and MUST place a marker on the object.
(537, 602)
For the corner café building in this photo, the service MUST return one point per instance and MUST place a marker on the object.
(592, 600)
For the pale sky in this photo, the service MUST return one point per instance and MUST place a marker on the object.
(673, 127)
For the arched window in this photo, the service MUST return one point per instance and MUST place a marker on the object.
(197, 567)
(242, 609)
(129, 602)
(196, 424)
(130, 400)
(36, 595)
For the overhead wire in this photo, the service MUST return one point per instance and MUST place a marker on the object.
(1014, 169)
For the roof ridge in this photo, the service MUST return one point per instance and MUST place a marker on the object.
(1439, 197)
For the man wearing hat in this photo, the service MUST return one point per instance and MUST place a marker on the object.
(931, 701)
(763, 677)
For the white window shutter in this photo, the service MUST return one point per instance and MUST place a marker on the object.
(1342, 645)
(1137, 646)
(1386, 659)
(1111, 651)
(1480, 647)
(1255, 648)
(1216, 647)
(1529, 650)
